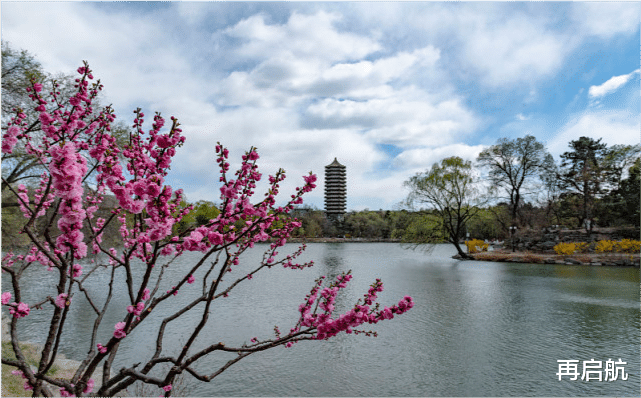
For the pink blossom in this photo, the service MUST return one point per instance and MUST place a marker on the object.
(45, 118)
(6, 297)
(77, 270)
(20, 310)
(61, 300)
(137, 309)
(167, 388)
(90, 386)
(215, 238)
(191, 279)
(153, 189)
(102, 349)
(145, 294)
(10, 139)
(119, 333)
(18, 373)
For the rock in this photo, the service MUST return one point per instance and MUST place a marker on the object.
(547, 245)
(572, 261)
(549, 261)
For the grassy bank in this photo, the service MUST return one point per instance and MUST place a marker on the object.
(12, 385)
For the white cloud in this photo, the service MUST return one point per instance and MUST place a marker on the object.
(496, 44)
(615, 127)
(518, 49)
(400, 121)
(310, 36)
(420, 159)
(606, 19)
(611, 85)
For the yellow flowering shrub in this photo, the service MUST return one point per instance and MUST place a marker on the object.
(565, 248)
(581, 247)
(604, 246)
(627, 246)
(476, 245)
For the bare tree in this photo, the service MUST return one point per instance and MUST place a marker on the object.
(514, 167)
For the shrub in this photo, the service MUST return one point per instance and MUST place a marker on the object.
(476, 245)
(581, 247)
(565, 248)
(627, 246)
(604, 246)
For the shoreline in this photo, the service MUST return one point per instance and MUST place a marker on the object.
(342, 240)
(592, 259)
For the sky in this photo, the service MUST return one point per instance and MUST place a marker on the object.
(387, 88)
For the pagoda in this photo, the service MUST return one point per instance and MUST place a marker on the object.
(335, 191)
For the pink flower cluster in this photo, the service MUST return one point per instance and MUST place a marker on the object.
(326, 326)
(67, 170)
(34, 255)
(19, 310)
(9, 139)
(148, 161)
(24, 200)
(61, 300)
(119, 333)
(90, 385)
(137, 309)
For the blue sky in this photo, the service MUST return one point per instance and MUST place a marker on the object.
(388, 88)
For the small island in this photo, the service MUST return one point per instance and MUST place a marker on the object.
(599, 247)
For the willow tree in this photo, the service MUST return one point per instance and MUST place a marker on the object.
(450, 189)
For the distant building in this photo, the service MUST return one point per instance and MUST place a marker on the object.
(335, 191)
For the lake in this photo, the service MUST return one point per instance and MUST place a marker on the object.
(477, 328)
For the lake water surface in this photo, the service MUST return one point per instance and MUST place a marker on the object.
(477, 328)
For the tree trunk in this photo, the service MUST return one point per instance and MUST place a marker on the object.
(460, 251)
